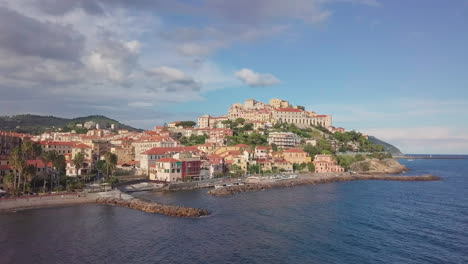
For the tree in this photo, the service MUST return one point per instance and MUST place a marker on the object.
(111, 162)
(311, 167)
(60, 165)
(46, 158)
(274, 147)
(240, 120)
(17, 162)
(301, 107)
(187, 124)
(78, 161)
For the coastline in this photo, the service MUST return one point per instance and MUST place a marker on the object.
(114, 197)
(122, 199)
(312, 180)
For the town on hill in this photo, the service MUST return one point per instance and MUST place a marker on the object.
(252, 138)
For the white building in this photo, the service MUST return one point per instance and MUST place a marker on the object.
(284, 139)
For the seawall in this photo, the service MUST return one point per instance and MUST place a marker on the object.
(315, 180)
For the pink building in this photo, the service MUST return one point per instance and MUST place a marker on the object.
(326, 164)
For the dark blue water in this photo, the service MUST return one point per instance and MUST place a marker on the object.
(349, 222)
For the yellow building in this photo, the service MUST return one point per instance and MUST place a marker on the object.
(295, 155)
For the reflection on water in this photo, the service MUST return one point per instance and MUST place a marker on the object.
(350, 222)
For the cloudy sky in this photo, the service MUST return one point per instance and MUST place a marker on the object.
(394, 69)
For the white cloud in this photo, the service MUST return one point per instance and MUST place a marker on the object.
(256, 79)
(425, 139)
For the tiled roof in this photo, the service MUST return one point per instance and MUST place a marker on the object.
(159, 151)
(242, 146)
(289, 110)
(168, 160)
(81, 145)
(38, 163)
(294, 150)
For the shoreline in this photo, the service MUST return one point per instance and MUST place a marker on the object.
(122, 199)
(115, 197)
(313, 180)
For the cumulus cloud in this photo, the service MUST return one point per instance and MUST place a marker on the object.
(255, 79)
(92, 56)
(173, 79)
(30, 37)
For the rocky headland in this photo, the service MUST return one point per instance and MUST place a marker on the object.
(376, 166)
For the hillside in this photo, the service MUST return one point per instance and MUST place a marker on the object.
(35, 124)
(388, 147)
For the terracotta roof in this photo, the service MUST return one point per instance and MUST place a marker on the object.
(321, 116)
(5, 167)
(38, 163)
(242, 146)
(58, 143)
(159, 151)
(81, 145)
(288, 110)
(168, 160)
(296, 150)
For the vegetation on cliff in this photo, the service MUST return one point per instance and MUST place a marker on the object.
(36, 124)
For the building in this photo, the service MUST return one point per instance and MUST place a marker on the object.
(9, 141)
(300, 118)
(145, 144)
(90, 124)
(284, 140)
(166, 169)
(208, 121)
(83, 148)
(149, 157)
(326, 164)
(191, 165)
(262, 152)
(278, 111)
(219, 136)
(61, 147)
(278, 103)
(296, 155)
(125, 153)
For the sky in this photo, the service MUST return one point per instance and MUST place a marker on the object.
(395, 69)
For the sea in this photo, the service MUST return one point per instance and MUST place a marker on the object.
(347, 222)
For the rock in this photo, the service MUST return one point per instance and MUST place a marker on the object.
(371, 166)
(153, 207)
(290, 183)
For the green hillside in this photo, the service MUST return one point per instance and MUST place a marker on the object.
(35, 124)
(388, 147)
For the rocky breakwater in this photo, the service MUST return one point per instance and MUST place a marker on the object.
(153, 207)
(315, 180)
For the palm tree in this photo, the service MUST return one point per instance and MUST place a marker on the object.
(78, 161)
(111, 161)
(46, 158)
(18, 162)
(60, 165)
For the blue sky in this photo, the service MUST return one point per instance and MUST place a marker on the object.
(393, 69)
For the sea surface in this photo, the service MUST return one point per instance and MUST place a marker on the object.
(347, 222)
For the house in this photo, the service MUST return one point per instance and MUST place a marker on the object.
(296, 155)
(166, 169)
(262, 152)
(326, 164)
(149, 157)
(61, 147)
(191, 165)
(284, 140)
